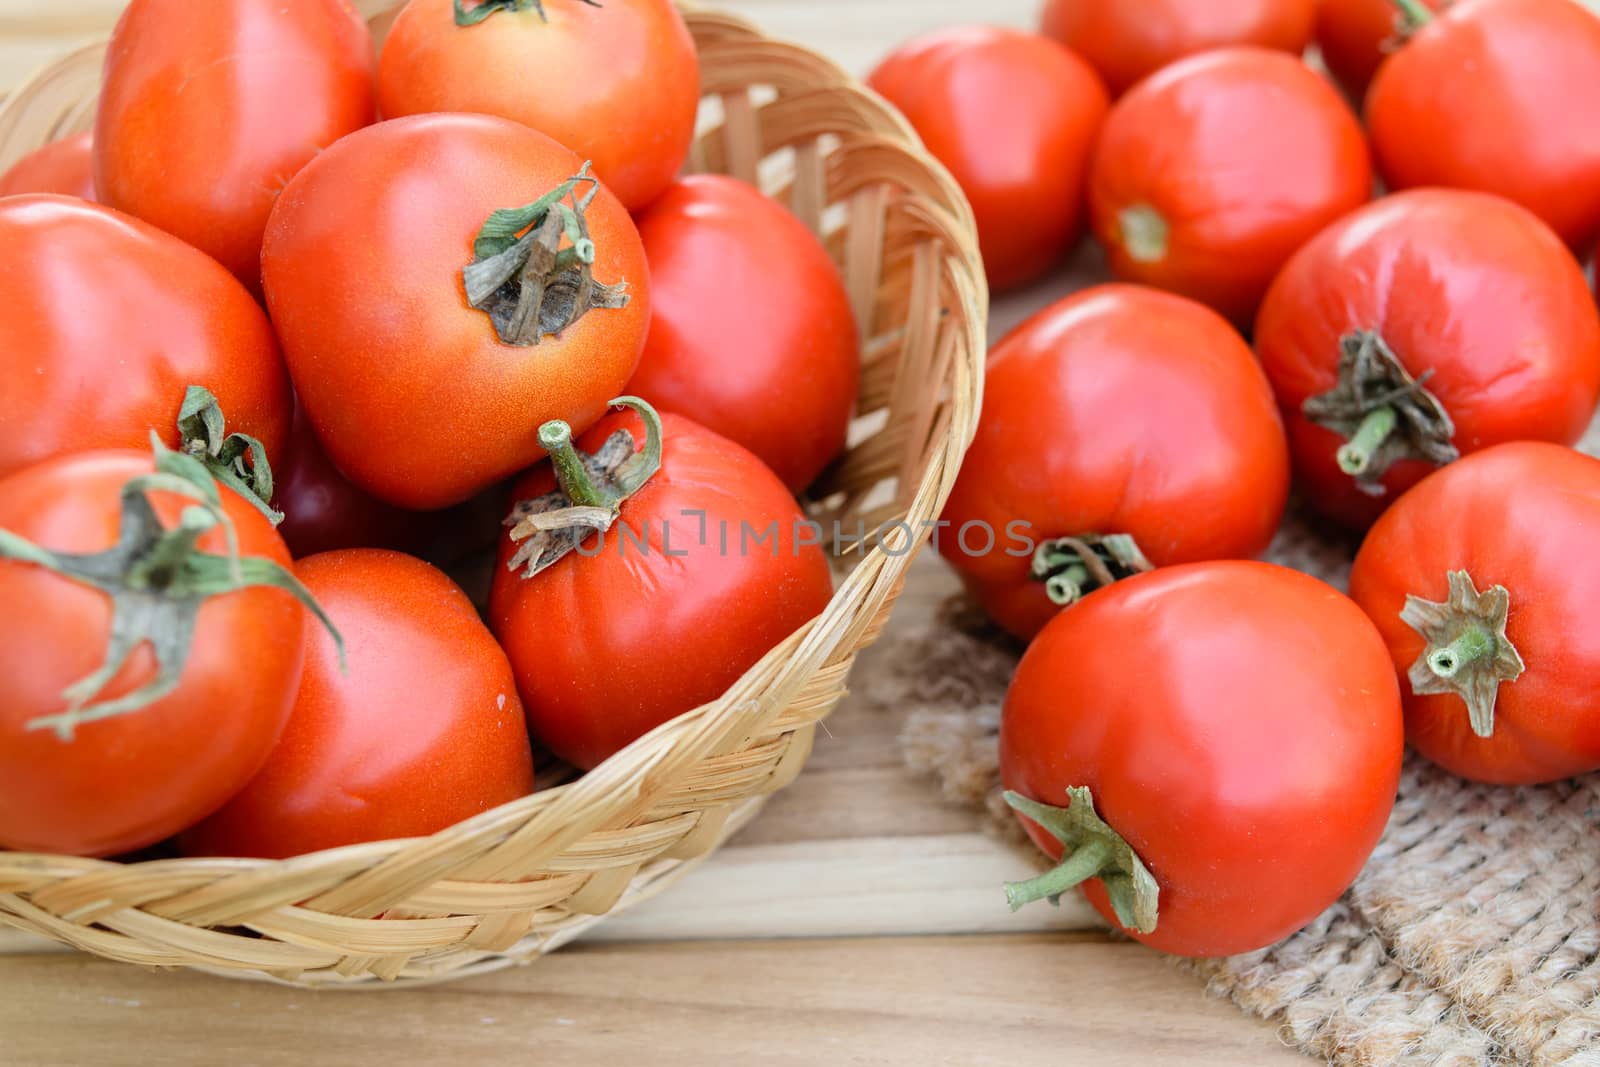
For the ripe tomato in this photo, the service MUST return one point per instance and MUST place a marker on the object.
(112, 739)
(1237, 728)
(752, 333)
(1356, 36)
(63, 167)
(619, 84)
(410, 388)
(423, 730)
(1117, 411)
(208, 109)
(1482, 580)
(1014, 117)
(1525, 124)
(107, 321)
(1211, 173)
(1128, 41)
(1454, 320)
(708, 566)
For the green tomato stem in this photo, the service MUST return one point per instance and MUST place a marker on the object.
(1144, 233)
(1414, 12)
(555, 437)
(1356, 455)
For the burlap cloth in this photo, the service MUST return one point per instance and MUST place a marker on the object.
(1472, 937)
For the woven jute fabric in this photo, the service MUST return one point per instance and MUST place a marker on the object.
(1472, 936)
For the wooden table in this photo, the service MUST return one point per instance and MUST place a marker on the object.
(858, 920)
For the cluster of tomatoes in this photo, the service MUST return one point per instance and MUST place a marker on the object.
(1212, 743)
(270, 362)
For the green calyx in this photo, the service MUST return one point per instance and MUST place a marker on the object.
(592, 489)
(1411, 16)
(237, 460)
(1073, 567)
(1092, 850)
(1468, 652)
(157, 578)
(532, 271)
(471, 16)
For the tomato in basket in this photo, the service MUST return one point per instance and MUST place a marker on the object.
(1356, 36)
(65, 167)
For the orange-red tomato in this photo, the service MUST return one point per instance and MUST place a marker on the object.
(752, 333)
(1356, 36)
(412, 393)
(1237, 724)
(128, 781)
(65, 166)
(1520, 518)
(1210, 174)
(107, 320)
(1498, 95)
(1013, 116)
(1127, 40)
(617, 83)
(1118, 410)
(208, 109)
(423, 730)
(1480, 304)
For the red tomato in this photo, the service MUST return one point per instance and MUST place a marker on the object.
(64, 166)
(1525, 124)
(123, 782)
(766, 352)
(1210, 174)
(208, 109)
(1473, 309)
(1128, 40)
(1482, 580)
(1356, 36)
(422, 731)
(1014, 117)
(1236, 725)
(410, 389)
(619, 84)
(107, 321)
(1117, 411)
(613, 640)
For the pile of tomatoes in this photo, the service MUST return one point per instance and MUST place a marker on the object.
(1210, 745)
(295, 328)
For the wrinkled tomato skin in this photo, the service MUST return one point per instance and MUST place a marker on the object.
(411, 393)
(1013, 116)
(1356, 36)
(64, 167)
(1523, 516)
(1117, 410)
(619, 84)
(208, 109)
(752, 334)
(609, 646)
(1244, 154)
(1237, 723)
(1525, 123)
(1466, 287)
(127, 782)
(107, 321)
(1129, 41)
(423, 730)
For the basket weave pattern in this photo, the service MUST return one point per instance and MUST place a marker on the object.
(525, 878)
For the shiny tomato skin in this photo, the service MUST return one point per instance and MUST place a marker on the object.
(208, 109)
(1523, 516)
(619, 84)
(1243, 154)
(752, 334)
(64, 167)
(1524, 125)
(1127, 41)
(410, 391)
(422, 731)
(1237, 723)
(107, 321)
(1013, 116)
(609, 646)
(1468, 286)
(1117, 410)
(129, 781)
(1356, 36)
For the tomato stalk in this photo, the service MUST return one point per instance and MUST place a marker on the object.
(1355, 456)
(1092, 849)
(1145, 233)
(1413, 15)
(471, 16)
(1073, 567)
(202, 433)
(1468, 652)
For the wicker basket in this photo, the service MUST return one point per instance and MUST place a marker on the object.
(519, 881)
